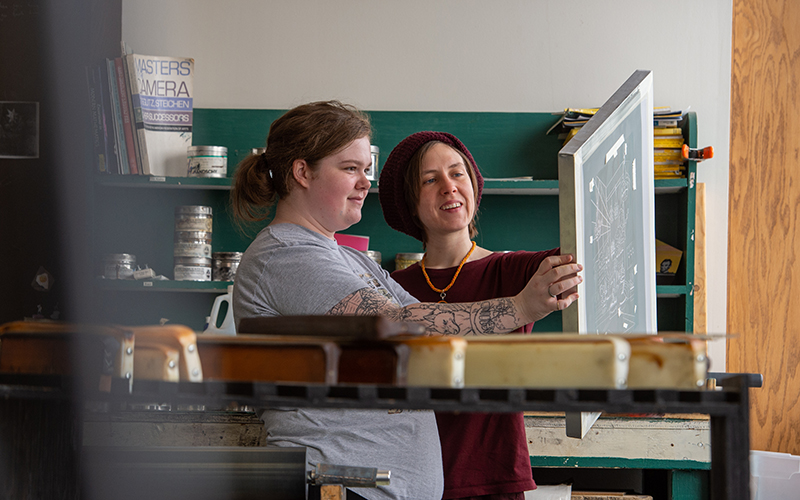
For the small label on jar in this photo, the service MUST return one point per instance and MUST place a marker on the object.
(190, 249)
(192, 273)
(193, 223)
(208, 166)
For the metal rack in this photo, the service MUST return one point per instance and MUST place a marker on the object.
(727, 406)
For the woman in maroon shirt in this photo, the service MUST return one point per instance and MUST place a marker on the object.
(430, 188)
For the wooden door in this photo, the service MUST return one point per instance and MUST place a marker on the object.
(764, 216)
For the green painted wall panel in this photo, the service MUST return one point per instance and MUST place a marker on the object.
(689, 485)
(136, 217)
(503, 144)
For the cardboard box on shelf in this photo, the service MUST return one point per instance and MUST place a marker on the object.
(667, 258)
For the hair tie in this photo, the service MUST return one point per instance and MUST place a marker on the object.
(264, 159)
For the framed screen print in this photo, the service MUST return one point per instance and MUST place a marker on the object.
(19, 129)
(607, 213)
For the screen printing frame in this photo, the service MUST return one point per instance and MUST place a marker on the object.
(612, 155)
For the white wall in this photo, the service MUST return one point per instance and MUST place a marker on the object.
(462, 55)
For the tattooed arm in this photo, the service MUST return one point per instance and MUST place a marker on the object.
(541, 296)
(471, 318)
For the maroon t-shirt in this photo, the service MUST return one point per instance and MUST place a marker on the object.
(482, 453)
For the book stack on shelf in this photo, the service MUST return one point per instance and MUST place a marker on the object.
(667, 143)
(667, 137)
(141, 114)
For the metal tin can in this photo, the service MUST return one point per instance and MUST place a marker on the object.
(193, 244)
(374, 255)
(224, 265)
(192, 269)
(403, 260)
(207, 161)
(193, 218)
(119, 266)
(373, 174)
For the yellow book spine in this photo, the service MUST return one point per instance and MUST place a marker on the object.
(583, 111)
(666, 154)
(667, 143)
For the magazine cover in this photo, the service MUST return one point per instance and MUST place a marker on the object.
(161, 90)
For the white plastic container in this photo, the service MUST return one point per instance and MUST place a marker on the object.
(774, 476)
(226, 325)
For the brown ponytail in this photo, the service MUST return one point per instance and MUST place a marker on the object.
(252, 194)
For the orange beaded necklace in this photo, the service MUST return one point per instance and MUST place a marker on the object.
(444, 290)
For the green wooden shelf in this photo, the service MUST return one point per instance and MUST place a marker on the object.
(164, 285)
(670, 185)
(617, 462)
(672, 290)
(521, 186)
(147, 181)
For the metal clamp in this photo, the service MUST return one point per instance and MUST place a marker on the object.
(354, 477)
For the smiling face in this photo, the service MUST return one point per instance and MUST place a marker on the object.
(338, 187)
(446, 194)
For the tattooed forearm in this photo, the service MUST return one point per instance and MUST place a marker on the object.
(495, 316)
(476, 318)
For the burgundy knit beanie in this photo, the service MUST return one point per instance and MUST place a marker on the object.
(392, 180)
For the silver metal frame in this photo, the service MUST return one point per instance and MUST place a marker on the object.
(634, 96)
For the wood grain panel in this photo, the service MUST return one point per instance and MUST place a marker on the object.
(700, 290)
(764, 216)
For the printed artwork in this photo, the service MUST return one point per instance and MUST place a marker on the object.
(607, 214)
(614, 225)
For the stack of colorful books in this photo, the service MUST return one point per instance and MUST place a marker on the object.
(667, 143)
(667, 137)
(141, 114)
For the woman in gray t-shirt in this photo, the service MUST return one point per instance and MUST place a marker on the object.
(314, 174)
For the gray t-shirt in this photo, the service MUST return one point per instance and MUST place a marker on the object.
(291, 270)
